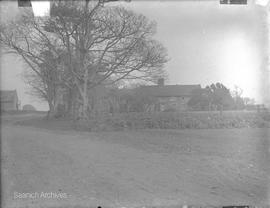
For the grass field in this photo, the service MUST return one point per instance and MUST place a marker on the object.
(135, 168)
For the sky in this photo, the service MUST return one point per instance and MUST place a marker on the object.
(206, 43)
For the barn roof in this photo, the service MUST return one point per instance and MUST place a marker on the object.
(169, 90)
(8, 95)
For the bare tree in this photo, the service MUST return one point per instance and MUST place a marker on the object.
(106, 43)
(45, 84)
(94, 45)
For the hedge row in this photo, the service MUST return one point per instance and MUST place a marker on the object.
(169, 120)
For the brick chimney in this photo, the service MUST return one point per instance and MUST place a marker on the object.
(161, 82)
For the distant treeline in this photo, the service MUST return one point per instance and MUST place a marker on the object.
(219, 97)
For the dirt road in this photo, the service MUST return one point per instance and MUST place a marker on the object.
(161, 167)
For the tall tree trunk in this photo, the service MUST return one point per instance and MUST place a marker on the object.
(51, 110)
(70, 102)
(85, 95)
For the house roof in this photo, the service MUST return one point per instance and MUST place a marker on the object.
(8, 95)
(169, 90)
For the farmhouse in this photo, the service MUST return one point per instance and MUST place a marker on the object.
(170, 97)
(147, 98)
(9, 100)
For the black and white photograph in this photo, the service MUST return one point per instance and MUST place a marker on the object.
(135, 103)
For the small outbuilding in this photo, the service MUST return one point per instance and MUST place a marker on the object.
(28, 107)
(9, 100)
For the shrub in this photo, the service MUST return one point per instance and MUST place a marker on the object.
(174, 120)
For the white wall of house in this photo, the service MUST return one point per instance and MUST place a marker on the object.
(177, 103)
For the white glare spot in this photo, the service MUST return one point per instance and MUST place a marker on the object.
(41, 8)
(262, 2)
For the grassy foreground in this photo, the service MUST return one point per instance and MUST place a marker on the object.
(136, 168)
